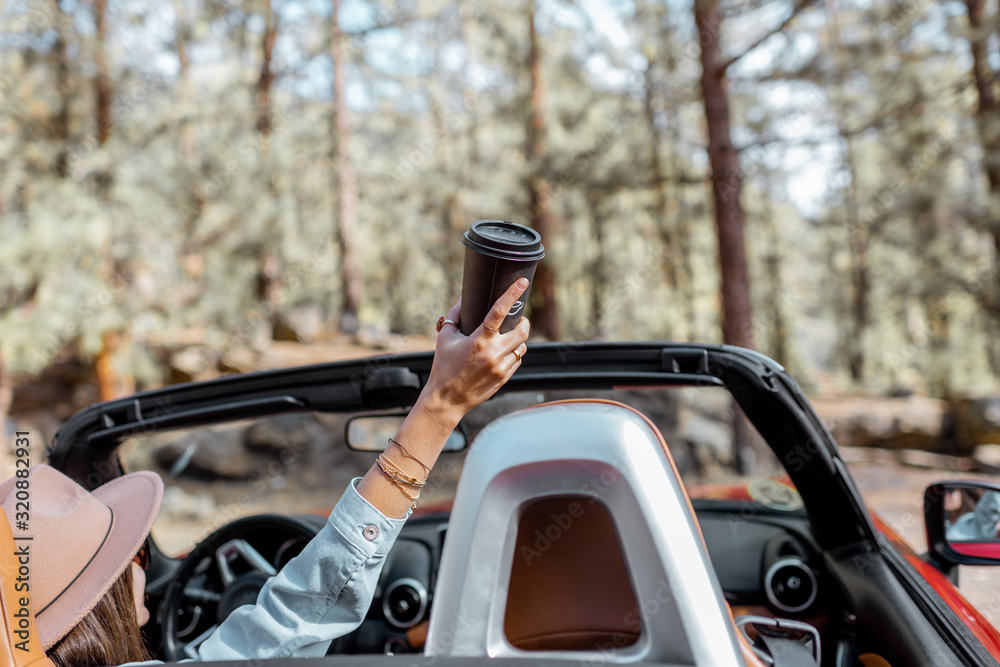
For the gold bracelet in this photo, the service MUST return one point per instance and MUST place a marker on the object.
(402, 489)
(408, 455)
(412, 481)
(394, 471)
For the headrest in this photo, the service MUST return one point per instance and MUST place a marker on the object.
(613, 456)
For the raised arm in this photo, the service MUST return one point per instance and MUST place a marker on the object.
(326, 590)
(466, 371)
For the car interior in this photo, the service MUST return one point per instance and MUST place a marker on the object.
(603, 524)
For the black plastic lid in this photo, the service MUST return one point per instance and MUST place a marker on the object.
(505, 240)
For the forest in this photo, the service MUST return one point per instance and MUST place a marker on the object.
(817, 180)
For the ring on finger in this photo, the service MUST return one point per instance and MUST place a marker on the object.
(516, 354)
(490, 329)
(443, 321)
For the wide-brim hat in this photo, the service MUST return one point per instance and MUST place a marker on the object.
(81, 541)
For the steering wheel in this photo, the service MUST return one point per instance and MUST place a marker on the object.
(224, 572)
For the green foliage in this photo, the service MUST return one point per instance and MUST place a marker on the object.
(166, 232)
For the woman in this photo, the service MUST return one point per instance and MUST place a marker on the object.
(87, 577)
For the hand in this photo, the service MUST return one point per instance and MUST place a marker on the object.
(467, 370)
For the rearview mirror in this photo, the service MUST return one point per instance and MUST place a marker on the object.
(371, 433)
(963, 522)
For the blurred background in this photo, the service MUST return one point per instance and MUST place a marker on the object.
(196, 187)
(184, 182)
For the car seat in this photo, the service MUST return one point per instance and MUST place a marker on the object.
(572, 537)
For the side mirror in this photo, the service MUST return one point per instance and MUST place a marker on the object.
(371, 433)
(963, 522)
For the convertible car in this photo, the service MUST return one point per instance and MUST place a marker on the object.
(594, 519)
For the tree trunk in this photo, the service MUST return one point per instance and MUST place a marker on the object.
(544, 303)
(451, 213)
(345, 186)
(737, 317)
(726, 181)
(266, 77)
(987, 117)
(938, 318)
(470, 100)
(109, 383)
(688, 293)
(61, 120)
(778, 334)
(102, 81)
(188, 135)
(660, 189)
(453, 223)
(986, 111)
(859, 308)
(598, 270)
(858, 235)
(270, 286)
(662, 214)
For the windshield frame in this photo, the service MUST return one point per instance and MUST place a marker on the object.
(84, 448)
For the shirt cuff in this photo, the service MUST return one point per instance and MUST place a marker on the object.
(362, 525)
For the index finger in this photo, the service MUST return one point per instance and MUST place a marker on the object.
(498, 313)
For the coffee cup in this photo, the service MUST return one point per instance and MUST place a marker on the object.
(497, 254)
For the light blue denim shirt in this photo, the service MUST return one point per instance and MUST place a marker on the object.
(321, 594)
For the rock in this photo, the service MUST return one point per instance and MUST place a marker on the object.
(288, 437)
(716, 436)
(239, 360)
(987, 458)
(915, 422)
(977, 421)
(282, 330)
(710, 402)
(307, 322)
(180, 504)
(211, 453)
(191, 360)
(920, 459)
(193, 364)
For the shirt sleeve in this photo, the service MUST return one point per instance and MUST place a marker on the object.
(321, 594)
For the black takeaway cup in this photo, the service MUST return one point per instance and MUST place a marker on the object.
(497, 254)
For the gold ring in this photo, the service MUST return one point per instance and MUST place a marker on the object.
(443, 321)
(517, 355)
(490, 329)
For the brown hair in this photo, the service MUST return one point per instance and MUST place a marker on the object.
(108, 635)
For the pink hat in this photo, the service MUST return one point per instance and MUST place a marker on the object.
(81, 542)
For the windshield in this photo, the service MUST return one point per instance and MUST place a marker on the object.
(300, 463)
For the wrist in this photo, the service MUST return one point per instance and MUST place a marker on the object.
(435, 404)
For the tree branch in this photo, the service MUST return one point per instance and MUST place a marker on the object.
(799, 6)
